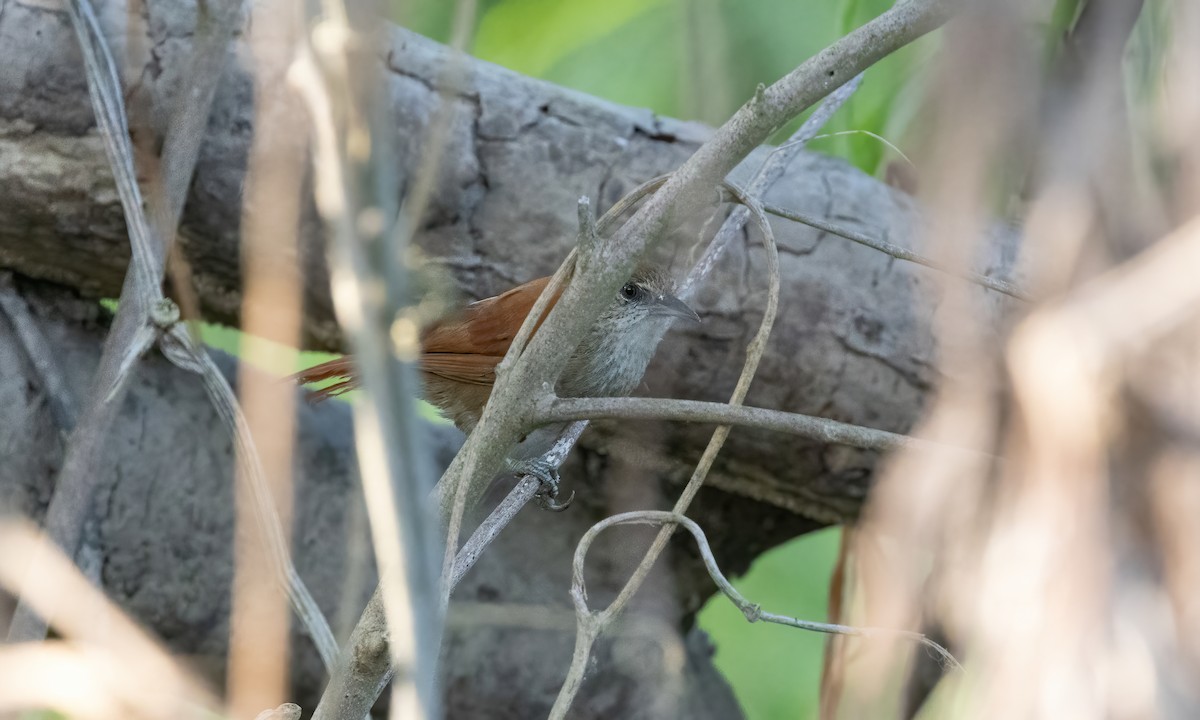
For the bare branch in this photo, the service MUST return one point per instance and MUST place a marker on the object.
(456, 564)
(63, 406)
(364, 668)
(1000, 286)
(453, 504)
(752, 611)
(286, 711)
(491, 527)
(356, 195)
(814, 428)
(181, 349)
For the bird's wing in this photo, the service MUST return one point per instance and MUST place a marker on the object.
(465, 347)
(340, 369)
(486, 327)
(470, 369)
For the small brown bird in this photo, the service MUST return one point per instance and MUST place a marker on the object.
(459, 354)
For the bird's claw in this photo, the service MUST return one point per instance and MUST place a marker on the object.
(547, 499)
(547, 476)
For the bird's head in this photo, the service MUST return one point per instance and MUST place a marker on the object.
(649, 297)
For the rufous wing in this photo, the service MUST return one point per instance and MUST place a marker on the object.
(340, 369)
(465, 347)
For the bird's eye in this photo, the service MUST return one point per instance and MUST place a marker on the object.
(629, 291)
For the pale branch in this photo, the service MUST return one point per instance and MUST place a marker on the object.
(809, 128)
(900, 253)
(752, 611)
(455, 495)
(589, 629)
(179, 346)
(526, 489)
(64, 407)
(216, 23)
(286, 711)
(364, 667)
(810, 427)
(452, 505)
(357, 193)
(456, 564)
(517, 498)
(453, 499)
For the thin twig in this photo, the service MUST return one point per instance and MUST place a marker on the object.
(453, 504)
(64, 408)
(491, 527)
(457, 499)
(455, 564)
(767, 175)
(752, 611)
(808, 426)
(517, 498)
(900, 253)
(357, 193)
(180, 347)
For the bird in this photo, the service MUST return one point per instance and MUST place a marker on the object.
(459, 353)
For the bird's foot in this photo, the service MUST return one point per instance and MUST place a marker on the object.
(547, 474)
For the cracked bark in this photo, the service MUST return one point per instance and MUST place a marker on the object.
(520, 152)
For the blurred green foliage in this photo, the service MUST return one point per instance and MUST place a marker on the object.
(693, 59)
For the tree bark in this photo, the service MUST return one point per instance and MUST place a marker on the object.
(854, 342)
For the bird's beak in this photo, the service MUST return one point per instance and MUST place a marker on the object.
(671, 306)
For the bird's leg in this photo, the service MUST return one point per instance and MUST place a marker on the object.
(545, 467)
(545, 471)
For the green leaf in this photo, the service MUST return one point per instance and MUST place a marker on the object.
(531, 36)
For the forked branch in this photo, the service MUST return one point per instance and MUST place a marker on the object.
(752, 611)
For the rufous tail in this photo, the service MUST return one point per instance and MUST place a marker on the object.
(340, 369)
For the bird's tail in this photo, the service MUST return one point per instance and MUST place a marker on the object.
(341, 370)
